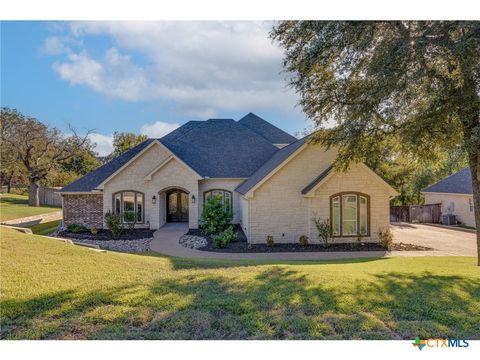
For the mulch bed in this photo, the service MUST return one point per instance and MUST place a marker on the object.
(241, 246)
(135, 234)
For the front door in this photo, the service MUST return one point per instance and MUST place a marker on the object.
(177, 206)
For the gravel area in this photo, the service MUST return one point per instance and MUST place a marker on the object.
(135, 234)
(193, 241)
(409, 247)
(138, 245)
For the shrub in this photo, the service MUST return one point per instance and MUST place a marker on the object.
(324, 229)
(94, 230)
(270, 241)
(386, 238)
(224, 238)
(76, 228)
(214, 219)
(303, 240)
(114, 223)
(130, 219)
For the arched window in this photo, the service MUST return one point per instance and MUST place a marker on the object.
(224, 196)
(350, 214)
(129, 204)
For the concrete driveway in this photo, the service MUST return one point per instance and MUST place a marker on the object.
(444, 241)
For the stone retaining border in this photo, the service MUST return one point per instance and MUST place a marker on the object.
(35, 219)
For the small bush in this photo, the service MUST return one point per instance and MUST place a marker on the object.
(130, 219)
(214, 219)
(224, 238)
(324, 229)
(94, 230)
(270, 241)
(386, 238)
(303, 240)
(76, 228)
(114, 223)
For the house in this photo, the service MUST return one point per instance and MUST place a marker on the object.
(455, 193)
(273, 183)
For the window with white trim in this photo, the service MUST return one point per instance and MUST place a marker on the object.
(349, 214)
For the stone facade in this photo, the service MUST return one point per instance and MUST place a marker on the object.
(358, 179)
(174, 174)
(278, 208)
(84, 209)
(462, 205)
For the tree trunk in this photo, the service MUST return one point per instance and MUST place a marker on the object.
(9, 183)
(474, 161)
(34, 194)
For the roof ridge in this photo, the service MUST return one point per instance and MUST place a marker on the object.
(266, 129)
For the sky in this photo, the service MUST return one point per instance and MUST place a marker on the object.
(144, 77)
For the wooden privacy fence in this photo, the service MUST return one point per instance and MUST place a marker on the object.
(49, 196)
(430, 213)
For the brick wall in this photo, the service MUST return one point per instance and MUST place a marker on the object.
(83, 209)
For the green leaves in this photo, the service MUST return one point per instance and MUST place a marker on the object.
(416, 81)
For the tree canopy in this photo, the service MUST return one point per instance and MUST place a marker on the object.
(40, 149)
(123, 141)
(409, 87)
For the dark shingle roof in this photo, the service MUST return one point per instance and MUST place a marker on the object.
(317, 180)
(219, 148)
(90, 181)
(458, 183)
(280, 156)
(216, 148)
(270, 132)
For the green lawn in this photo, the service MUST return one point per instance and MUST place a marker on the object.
(51, 290)
(14, 206)
(45, 228)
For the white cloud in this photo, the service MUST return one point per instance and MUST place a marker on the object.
(54, 45)
(103, 143)
(203, 66)
(158, 129)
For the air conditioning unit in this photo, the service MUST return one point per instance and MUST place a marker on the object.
(449, 219)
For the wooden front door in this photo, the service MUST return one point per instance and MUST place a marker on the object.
(177, 206)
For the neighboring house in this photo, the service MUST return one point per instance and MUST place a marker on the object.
(273, 183)
(455, 193)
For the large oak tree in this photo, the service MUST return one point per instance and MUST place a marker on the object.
(39, 148)
(413, 83)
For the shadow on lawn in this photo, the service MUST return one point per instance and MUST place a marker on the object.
(13, 201)
(276, 304)
(182, 263)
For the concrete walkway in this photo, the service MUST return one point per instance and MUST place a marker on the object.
(165, 241)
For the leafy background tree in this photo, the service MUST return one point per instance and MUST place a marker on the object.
(123, 141)
(41, 150)
(412, 86)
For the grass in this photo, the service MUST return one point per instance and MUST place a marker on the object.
(51, 290)
(14, 206)
(45, 228)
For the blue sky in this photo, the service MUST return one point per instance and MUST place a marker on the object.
(143, 77)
